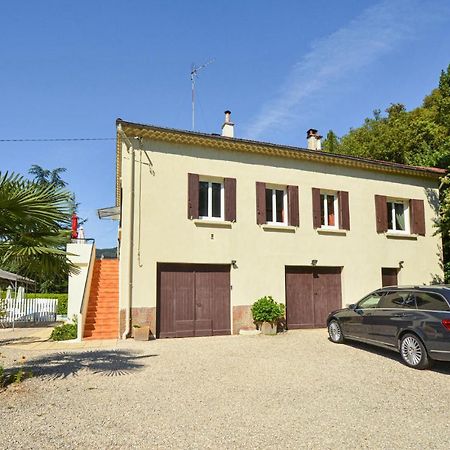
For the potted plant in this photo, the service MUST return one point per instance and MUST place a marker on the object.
(267, 313)
(141, 332)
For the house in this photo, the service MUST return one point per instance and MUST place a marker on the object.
(209, 223)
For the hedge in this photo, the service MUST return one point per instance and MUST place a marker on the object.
(62, 300)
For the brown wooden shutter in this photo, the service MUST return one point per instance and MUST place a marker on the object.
(381, 213)
(260, 203)
(344, 210)
(417, 216)
(293, 213)
(193, 186)
(229, 185)
(317, 222)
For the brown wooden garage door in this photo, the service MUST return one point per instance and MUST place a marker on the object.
(193, 300)
(311, 293)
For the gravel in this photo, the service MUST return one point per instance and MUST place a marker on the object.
(293, 390)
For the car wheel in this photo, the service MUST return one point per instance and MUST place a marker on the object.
(335, 332)
(413, 352)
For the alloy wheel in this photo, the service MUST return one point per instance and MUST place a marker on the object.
(411, 351)
(335, 331)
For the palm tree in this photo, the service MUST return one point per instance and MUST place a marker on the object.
(34, 227)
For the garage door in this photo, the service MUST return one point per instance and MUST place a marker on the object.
(311, 293)
(193, 300)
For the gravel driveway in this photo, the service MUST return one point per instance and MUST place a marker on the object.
(294, 390)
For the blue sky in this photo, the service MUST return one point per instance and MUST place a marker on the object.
(69, 69)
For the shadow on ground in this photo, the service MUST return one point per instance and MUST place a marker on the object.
(102, 362)
(21, 340)
(438, 366)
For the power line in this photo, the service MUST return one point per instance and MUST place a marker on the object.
(58, 139)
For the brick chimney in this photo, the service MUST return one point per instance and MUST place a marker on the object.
(228, 125)
(313, 139)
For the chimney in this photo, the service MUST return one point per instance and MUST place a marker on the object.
(313, 139)
(228, 125)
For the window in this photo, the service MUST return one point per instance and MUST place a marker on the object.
(371, 301)
(211, 200)
(276, 206)
(397, 216)
(398, 299)
(329, 210)
(430, 301)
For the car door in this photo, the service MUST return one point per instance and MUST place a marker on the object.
(356, 322)
(396, 311)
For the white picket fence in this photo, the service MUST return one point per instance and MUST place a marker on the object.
(28, 310)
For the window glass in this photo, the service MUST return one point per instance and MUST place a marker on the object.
(396, 216)
(400, 216)
(434, 302)
(327, 210)
(203, 199)
(269, 210)
(371, 301)
(397, 299)
(389, 215)
(279, 196)
(330, 205)
(275, 206)
(322, 209)
(216, 199)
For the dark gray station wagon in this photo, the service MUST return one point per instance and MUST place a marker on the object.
(414, 321)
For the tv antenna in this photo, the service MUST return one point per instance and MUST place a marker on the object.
(194, 74)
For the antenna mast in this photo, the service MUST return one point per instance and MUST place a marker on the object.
(194, 73)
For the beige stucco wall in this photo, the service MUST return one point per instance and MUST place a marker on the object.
(163, 233)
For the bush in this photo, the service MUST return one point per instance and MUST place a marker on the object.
(62, 300)
(64, 332)
(266, 309)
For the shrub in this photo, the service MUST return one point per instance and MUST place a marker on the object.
(64, 332)
(62, 300)
(266, 309)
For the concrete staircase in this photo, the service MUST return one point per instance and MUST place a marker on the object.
(102, 319)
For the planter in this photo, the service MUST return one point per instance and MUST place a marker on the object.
(142, 333)
(268, 328)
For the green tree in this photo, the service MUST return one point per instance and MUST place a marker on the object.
(46, 176)
(419, 137)
(34, 228)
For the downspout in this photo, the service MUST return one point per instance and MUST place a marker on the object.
(131, 234)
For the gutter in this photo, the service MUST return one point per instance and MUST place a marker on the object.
(129, 280)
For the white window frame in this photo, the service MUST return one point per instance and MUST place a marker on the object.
(327, 194)
(274, 188)
(405, 204)
(211, 180)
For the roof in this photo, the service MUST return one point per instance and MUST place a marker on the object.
(9, 276)
(267, 148)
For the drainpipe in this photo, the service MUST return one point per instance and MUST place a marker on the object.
(131, 234)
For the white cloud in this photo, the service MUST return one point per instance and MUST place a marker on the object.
(374, 33)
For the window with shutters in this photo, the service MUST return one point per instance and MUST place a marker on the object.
(331, 210)
(211, 199)
(276, 205)
(329, 207)
(398, 216)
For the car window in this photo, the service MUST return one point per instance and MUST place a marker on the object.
(428, 300)
(397, 299)
(371, 301)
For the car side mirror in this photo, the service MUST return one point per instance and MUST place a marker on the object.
(352, 306)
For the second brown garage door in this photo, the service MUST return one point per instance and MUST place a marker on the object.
(311, 293)
(193, 300)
